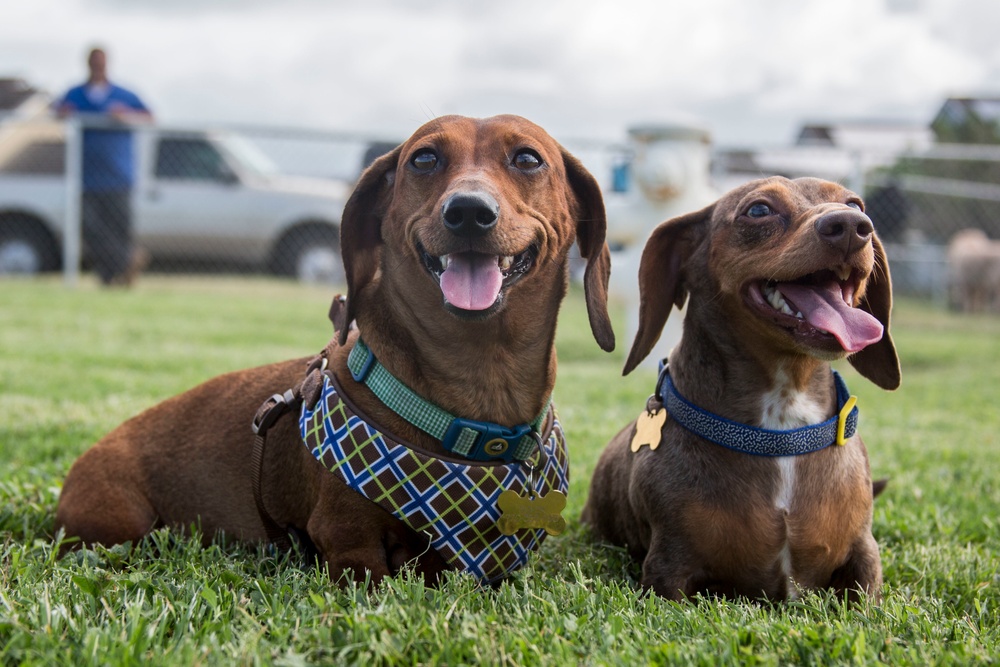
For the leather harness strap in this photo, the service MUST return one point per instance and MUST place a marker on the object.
(278, 405)
(268, 413)
(275, 533)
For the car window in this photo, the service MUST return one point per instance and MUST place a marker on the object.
(37, 157)
(248, 155)
(191, 159)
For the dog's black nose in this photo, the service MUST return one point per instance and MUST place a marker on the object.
(845, 230)
(471, 213)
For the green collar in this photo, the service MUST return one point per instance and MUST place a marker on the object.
(480, 441)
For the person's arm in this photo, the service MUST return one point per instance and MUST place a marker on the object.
(124, 113)
(64, 107)
(130, 109)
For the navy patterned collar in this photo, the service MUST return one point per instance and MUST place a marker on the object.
(760, 441)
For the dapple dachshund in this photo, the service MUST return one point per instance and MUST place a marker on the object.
(730, 482)
(455, 248)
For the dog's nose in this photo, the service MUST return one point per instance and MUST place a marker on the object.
(471, 213)
(845, 230)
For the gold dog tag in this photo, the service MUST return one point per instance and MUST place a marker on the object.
(538, 512)
(649, 429)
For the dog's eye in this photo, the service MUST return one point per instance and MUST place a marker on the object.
(424, 160)
(526, 160)
(856, 204)
(759, 210)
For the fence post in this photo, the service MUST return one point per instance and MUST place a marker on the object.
(71, 223)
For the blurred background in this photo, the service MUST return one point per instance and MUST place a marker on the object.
(265, 114)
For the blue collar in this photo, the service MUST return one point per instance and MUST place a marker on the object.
(476, 440)
(760, 441)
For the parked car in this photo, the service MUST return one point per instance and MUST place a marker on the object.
(202, 198)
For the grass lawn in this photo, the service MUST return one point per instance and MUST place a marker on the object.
(75, 363)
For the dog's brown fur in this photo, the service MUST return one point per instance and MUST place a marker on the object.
(703, 518)
(186, 461)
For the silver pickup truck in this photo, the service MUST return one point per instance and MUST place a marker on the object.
(203, 199)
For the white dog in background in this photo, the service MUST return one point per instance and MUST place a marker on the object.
(974, 272)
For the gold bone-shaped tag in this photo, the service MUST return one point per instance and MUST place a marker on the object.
(649, 429)
(539, 512)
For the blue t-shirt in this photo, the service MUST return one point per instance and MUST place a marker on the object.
(107, 153)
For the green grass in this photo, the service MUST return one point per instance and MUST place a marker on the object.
(75, 363)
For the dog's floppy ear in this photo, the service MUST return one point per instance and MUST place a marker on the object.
(660, 284)
(587, 207)
(878, 362)
(361, 230)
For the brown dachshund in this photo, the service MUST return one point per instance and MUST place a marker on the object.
(729, 483)
(455, 247)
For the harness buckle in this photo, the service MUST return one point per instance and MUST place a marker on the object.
(492, 441)
(267, 415)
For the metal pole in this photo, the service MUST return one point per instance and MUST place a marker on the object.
(71, 223)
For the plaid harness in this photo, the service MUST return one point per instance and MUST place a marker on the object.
(454, 503)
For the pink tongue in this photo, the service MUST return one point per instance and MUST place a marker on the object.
(824, 308)
(472, 281)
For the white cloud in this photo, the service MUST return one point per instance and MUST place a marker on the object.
(749, 70)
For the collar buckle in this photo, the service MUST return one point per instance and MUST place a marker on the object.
(663, 370)
(360, 361)
(483, 441)
(845, 413)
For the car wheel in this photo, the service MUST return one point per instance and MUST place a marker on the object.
(310, 254)
(26, 247)
(319, 264)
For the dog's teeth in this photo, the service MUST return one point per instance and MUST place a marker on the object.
(444, 261)
(844, 273)
(776, 300)
(848, 295)
(506, 262)
(798, 314)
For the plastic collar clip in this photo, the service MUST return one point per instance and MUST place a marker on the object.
(493, 442)
(366, 366)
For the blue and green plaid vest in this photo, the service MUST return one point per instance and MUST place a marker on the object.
(453, 502)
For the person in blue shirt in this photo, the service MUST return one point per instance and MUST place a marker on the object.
(107, 112)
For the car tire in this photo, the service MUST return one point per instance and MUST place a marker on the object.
(26, 246)
(310, 254)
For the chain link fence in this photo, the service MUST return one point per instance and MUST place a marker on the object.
(936, 210)
(939, 212)
(89, 194)
(268, 201)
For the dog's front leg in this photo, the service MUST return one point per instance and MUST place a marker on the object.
(862, 573)
(347, 532)
(664, 572)
(352, 533)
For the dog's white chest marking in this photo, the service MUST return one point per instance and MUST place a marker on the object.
(784, 408)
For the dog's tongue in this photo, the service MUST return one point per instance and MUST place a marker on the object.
(472, 281)
(824, 308)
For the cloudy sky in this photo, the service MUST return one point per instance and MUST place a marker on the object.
(750, 71)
